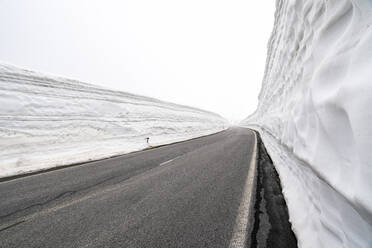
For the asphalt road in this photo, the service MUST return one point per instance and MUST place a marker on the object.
(188, 194)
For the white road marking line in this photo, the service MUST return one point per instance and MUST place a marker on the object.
(241, 223)
(168, 161)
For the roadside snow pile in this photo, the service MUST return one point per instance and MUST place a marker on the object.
(49, 121)
(315, 117)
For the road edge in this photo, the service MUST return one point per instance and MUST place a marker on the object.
(271, 226)
(242, 229)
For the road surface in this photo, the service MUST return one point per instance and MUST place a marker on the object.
(189, 194)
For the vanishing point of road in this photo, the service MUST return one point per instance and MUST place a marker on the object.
(195, 193)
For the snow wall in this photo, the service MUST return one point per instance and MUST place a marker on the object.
(50, 121)
(315, 117)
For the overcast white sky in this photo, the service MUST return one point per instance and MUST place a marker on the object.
(204, 53)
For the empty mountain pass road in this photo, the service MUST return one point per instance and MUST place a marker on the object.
(189, 194)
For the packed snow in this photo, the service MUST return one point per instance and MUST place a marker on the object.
(48, 121)
(315, 119)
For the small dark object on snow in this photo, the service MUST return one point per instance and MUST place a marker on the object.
(147, 140)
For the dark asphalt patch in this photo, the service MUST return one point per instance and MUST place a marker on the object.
(272, 228)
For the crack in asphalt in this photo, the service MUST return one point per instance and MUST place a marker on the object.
(65, 193)
(70, 193)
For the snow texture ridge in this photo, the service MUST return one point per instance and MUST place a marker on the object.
(315, 119)
(48, 121)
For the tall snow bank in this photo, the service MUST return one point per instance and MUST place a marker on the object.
(315, 118)
(50, 121)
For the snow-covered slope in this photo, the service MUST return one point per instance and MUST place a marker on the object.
(315, 118)
(50, 121)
